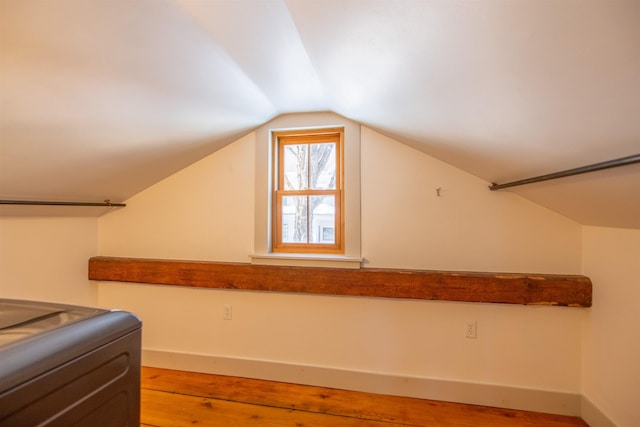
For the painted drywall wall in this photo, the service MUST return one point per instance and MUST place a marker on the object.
(404, 224)
(46, 259)
(202, 212)
(611, 348)
(419, 212)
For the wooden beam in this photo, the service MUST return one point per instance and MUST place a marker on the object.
(507, 288)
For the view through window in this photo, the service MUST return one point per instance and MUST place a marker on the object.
(308, 191)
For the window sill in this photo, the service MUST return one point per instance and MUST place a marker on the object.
(306, 260)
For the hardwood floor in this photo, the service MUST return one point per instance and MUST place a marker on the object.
(178, 398)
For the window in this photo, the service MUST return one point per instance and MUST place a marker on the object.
(308, 191)
(265, 186)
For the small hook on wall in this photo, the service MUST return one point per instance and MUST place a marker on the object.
(438, 190)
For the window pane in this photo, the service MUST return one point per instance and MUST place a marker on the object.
(295, 167)
(323, 166)
(323, 219)
(294, 219)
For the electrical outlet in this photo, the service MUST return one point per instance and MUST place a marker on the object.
(227, 312)
(471, 330)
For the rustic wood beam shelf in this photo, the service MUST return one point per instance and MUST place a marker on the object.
(506, 288)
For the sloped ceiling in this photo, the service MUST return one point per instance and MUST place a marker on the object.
(100, 99)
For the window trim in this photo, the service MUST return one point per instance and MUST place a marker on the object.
(261, 253)
(281, 138)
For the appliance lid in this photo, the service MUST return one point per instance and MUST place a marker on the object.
(12, 315)
(39, 336)
(22, 319)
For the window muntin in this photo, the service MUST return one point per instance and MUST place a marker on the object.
(308, 192)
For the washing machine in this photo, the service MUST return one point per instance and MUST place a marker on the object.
(65, 365)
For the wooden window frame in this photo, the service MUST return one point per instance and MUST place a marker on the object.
(307, 136)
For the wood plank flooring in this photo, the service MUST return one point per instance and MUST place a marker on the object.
(177, 398)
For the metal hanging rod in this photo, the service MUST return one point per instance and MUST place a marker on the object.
(623, 161)
(106, 203)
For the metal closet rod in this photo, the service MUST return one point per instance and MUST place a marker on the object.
(106, 203)
(623, 161)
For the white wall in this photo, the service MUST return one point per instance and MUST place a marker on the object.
(205, 212)
(202, 212)
(46, 259)
(406, 224)
(611, 347)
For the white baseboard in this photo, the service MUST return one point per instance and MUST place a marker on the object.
(552, 402)
(593, 415)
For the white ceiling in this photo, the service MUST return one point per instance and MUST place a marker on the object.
(100, 99)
